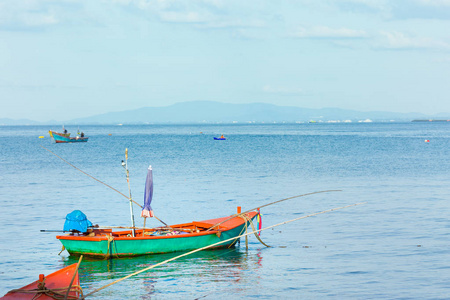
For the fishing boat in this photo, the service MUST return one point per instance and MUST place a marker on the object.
(52, 286)
(86, 239)
(221, 138)
(59, 137)
(107, 243)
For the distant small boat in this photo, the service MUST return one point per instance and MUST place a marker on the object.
(52, 286)
(65, 137)
(221, 138)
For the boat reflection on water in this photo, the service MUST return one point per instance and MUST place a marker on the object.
(195, 274)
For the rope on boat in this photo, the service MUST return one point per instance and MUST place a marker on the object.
(215, 244)
(249, 220)
(245, 217)
(278, 201)
(244, 228)
(61, 293)
(246, 237)
(55, 293)
(62, 249)
(110, 252)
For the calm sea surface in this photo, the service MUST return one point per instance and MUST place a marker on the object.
(397, 246)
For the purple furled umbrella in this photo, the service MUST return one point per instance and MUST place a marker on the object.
(147, 211)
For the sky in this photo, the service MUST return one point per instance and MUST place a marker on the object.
(65, 59)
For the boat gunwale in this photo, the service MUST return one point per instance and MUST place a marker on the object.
(149, 237)
(120, 235)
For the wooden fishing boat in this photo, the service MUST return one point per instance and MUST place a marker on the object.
(66, 134)
(181, 237)
(52, 286)
(66, 138)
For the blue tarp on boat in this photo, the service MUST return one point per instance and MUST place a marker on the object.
(77, 220)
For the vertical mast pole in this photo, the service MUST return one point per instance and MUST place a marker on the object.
(129, 189)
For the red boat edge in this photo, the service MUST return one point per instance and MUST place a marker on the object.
(52, 286)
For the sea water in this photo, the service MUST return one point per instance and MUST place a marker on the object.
(395, 246)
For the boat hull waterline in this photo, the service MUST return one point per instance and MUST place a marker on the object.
(106, 243)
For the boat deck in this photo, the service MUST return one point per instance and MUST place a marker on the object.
(195, 228)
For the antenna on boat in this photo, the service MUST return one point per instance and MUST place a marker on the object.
(125, 165)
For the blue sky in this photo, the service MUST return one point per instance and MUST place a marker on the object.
(67, 59)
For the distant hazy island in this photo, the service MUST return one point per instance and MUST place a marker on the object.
(217, 112)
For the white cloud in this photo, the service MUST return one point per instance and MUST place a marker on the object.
(31, 14)
(281, 90)
(398, 40)
(38, 19)
(372, 4)
(324, 32)
(435, 2)
(445, 60)
(172, 5)
(382, 8)
(204, 14)
(183, 17)
(234, 23)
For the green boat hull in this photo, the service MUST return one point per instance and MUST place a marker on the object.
(135, 246)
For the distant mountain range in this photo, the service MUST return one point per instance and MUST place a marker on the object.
(217, 112)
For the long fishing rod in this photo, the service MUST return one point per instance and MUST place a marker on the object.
(213, 245)
(99, 181)
(247, 211)
(89, 175)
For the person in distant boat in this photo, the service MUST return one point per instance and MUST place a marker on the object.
(222, 137)
(65, 131)
(82, 134)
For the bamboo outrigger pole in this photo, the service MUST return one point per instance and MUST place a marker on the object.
(213, 245)
(247, 211)
(73, 278)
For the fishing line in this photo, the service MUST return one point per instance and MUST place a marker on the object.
(76, 168)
